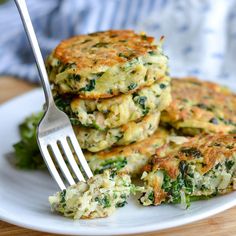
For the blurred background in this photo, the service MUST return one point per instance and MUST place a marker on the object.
(200, 35)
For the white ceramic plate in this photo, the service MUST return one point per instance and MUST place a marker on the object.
(23, 194)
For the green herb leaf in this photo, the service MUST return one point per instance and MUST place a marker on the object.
(90, 86)
(104, 201)
(63, 103)
(151, 197)
(26, 150)
(63, 195)
(121, 204)
(191, 152)
(141, 100)
(132, 86)
(100, 45)
(113, 164)
(152, 53)
(162, 86)
(75, 77)
(229, 164)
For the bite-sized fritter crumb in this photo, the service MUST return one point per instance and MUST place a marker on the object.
(98, 197)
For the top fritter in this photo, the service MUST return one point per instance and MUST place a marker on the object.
(105, 64)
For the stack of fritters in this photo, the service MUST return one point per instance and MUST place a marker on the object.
(113, 86)
(183, 168)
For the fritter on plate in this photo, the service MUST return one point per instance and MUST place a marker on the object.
(128, 159)
(119, 110)
(110, 113)
(199, 106)
(203, 166)
(105, 64)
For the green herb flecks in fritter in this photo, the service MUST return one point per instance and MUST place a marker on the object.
(99, 197)
(106, 64)
(200, 107)
(117, 111)
(132, 158)
(200, 168)
(95, 140)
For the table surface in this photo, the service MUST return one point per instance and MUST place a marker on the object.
(221, 224)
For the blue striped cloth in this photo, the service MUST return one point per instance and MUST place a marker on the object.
(200, 35)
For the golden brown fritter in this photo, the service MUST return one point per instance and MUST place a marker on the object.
(95, 140)
(204, 150)
(96, 50)
(200, 106)
(202, 166)
(105, 64)
(117, 111)
(129, 159)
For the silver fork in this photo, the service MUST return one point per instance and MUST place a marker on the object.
(55, 135)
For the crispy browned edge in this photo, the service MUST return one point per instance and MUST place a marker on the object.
(142, 147)
(77, 50)
(212, 148)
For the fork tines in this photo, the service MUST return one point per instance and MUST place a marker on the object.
(63, 153)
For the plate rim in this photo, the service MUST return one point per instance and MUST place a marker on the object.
(130, 230)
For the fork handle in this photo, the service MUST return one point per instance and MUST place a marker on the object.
(24, 14)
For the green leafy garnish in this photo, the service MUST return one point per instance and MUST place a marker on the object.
(26, 150)
(204, 106)
(152, 53)
(67, 66)
(151, 196)
(141, 100)
(144, 37)
(127, 66)
(74, 121)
